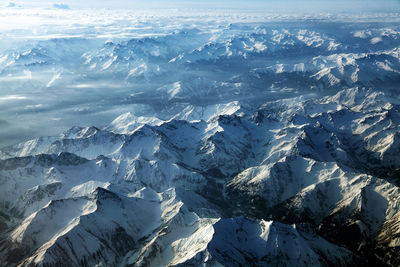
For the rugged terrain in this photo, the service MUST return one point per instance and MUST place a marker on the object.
(272, 143)
(305, 180)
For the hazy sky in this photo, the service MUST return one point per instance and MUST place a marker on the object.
(273, 5)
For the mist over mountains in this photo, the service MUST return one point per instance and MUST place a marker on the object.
(90, 71)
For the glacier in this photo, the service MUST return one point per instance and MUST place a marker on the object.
(203, 138)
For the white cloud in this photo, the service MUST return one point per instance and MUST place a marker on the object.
(12, 97)
(61, 6)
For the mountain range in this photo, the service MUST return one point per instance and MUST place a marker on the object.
(305, 180)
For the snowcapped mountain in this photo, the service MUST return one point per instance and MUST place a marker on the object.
(210, 138)
(90, 72)
(311, 180)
